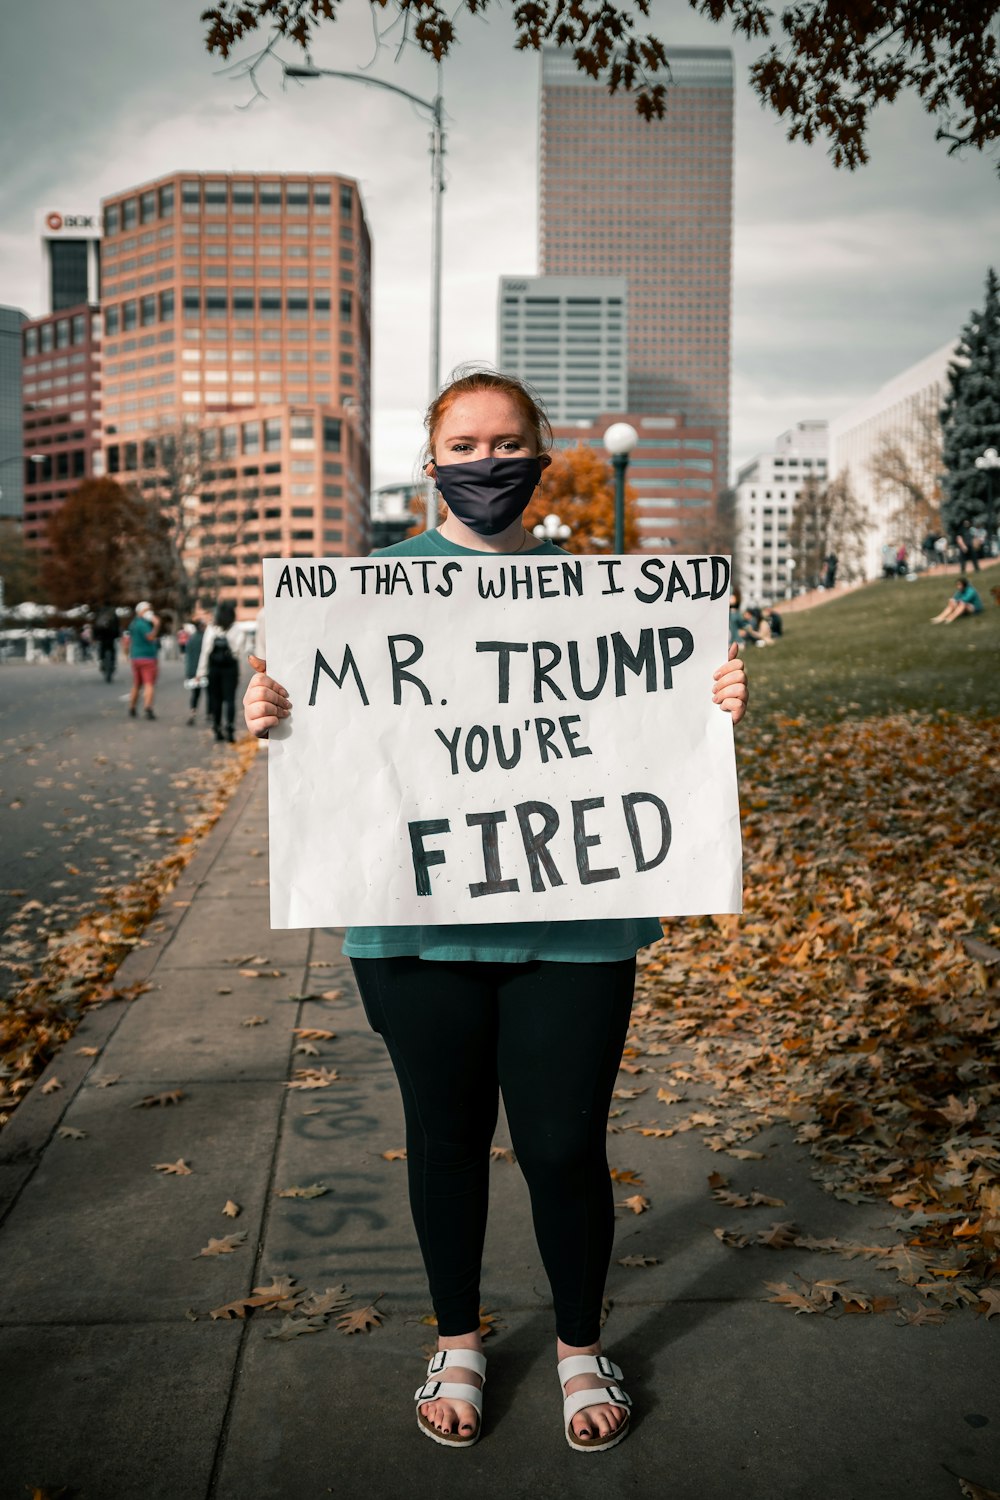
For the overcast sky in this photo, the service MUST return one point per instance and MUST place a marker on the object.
(841, 280)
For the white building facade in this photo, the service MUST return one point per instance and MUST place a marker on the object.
(568, 337)
(898, 412)
(767, 490)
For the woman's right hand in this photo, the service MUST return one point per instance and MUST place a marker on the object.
(265, 701)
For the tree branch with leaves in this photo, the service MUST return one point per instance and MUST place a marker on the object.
(827, 66)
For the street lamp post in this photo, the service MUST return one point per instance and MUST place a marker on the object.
(619, 440)
(790, 565)
(551, 530)
(435, 109)
(990, 461)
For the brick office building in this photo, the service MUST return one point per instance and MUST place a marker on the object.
(237, 328)
(61, 422)
(650, 201)
(672, 468)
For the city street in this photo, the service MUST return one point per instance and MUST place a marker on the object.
(88, 796)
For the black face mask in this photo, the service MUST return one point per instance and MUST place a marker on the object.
(488, 494)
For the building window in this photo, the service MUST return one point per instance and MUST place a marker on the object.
(216, 303)
(192, 302)
(147, 206)
(272, 435)
(230, 435)
(297, 197)
(112, 320)
(147, 310)
(251, 437)
(242, 197)
(130, 314)
(331, 435)
(62, 334)
(270, 304)
(302, 428)
(191, 194)
(167, 200)
(130, 213)
(216, 197)
(111, 219)
(346, 201)
(30, 342)
(298, 305)
(167, 305)
(321, 197)
(269, 197)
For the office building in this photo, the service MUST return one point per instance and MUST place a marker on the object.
(567, 336)
(651, 202)
(71, 245)
(673, 468)
(12, 320)
(904, 412)
(61, 425)
(767, 490)
(238, 305)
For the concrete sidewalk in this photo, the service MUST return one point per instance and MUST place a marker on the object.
(119, 1385)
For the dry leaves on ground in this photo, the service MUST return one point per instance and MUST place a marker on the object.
(843, 1003)
(63, 954)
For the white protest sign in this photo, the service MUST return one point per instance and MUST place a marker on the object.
(497, 739)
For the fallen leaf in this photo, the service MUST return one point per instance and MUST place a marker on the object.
(70, 1133)
(989, 1302)
(331, 1300)
(173, 1096)
(626, 1176)
(314, 1033)
(51, 1086)
(331, 995)
(315, 1190)
(293, 1328)
(362, 1321)
(637, 1203)
(231, 1210)
(638, 1261)
(502, 1153)
(88, 1051)
(254, 1021)
(976, 1491)
(177, 1168)
(312, 1078)
(224, 1246)
(918, 1316)
(397, 1153)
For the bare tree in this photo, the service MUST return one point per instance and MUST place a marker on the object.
(908, 470)
(827, 520)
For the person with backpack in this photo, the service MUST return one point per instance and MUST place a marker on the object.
(221, 649)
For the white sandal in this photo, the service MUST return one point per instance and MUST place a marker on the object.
(607, 1395)
(433, 1390)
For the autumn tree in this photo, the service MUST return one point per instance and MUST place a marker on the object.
(18, 565)
(906, 471)
(828, 518)
(825, 66)
(109, 546)
(971, 416)
(578, 487)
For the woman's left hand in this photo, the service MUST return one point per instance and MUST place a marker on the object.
(732, 691)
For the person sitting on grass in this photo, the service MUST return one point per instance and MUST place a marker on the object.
(964, 601)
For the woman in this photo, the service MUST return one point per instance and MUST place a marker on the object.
(221, 652)
(465, 1011)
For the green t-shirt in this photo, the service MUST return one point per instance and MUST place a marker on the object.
(143, 645)
(499, 942)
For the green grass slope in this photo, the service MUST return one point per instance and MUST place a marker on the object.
(874, 652)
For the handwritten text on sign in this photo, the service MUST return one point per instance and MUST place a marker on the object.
(496, 739)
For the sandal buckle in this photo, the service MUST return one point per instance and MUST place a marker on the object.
(605, 1367)
(619, 1397)
(428, 1390)
(438, 1362)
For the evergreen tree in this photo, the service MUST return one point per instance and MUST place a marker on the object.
(970, 418)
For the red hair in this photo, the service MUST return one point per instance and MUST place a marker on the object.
(519, 391)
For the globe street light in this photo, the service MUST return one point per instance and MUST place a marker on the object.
(551, 530)
(790, 565)
(435, 109)
(990, 461)
(619, 440)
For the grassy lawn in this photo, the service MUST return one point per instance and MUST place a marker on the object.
(874, 652)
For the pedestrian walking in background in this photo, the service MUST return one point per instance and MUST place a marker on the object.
(106, 632)
(142, 643)
(968, 552)
(194, 635)
(222, 648)
(538, 1009)
(830, 571)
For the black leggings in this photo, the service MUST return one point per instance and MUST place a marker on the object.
(222, 682)
(550, 1035)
